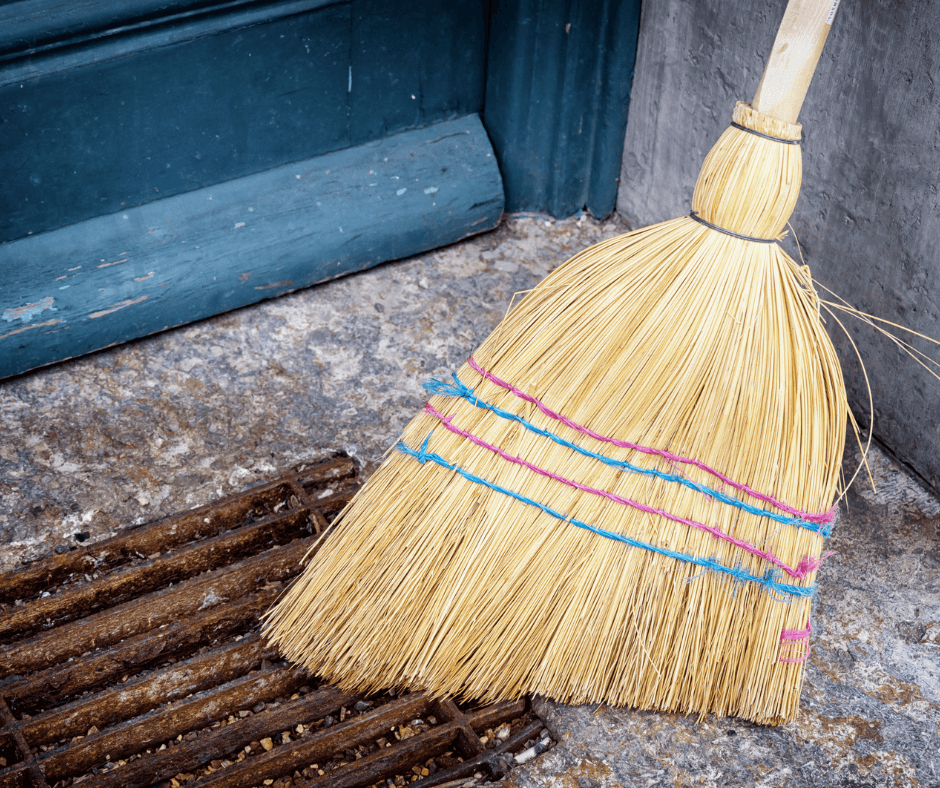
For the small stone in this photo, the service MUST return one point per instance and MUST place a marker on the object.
(267, 743)
(362, 705)
(526, 755)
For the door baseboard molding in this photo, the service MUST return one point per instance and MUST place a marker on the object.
(128, 274)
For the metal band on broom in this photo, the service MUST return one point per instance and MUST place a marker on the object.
(624, 495)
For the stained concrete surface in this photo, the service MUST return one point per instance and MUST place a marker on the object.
(173, 421)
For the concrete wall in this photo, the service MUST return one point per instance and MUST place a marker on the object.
(868, 219)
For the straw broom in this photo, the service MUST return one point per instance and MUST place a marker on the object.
(623, 496)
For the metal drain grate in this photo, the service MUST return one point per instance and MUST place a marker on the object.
(136, 661)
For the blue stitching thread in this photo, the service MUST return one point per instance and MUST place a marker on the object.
(768, 581)
(459, 389)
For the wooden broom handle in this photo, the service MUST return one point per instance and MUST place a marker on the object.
(793, 59)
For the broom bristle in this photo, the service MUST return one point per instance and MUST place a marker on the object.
(465, 566)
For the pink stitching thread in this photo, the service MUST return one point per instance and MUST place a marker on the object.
(819, 517)
(795, 638)
(805, 566)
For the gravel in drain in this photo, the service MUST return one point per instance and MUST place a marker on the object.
(137, 661)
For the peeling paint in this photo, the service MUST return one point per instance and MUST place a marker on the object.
(285, 283)
(117, 306)
(28, 311)
(27, 328)
(107, 265)
(143, 278)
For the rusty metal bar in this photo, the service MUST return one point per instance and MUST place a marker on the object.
(149, 612)
(300, 754)
(152, 729)
(118, 587)
(225, 741)
(133, 699)
(385, 763)
(164, 534)
(59, 683)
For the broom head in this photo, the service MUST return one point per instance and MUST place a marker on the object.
(613, 500)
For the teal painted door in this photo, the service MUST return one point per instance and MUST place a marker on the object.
(165, 160)
(103, 112)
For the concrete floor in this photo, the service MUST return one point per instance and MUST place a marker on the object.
(176, 420)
